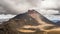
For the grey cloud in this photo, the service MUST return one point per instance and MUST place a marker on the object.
(21, 6)
(16, 6)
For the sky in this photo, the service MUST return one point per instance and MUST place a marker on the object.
(21, 6)
(2, 16)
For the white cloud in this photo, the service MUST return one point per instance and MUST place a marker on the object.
(21, 6)
(2, 16)
(49, 4)
(18, 6)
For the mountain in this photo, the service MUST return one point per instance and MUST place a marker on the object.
(30, 22)
(58, 23)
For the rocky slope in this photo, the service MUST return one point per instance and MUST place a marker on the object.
(30, 22)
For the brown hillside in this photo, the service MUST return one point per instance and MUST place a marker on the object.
(30, 22)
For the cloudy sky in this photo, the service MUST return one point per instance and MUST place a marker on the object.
(21, 6)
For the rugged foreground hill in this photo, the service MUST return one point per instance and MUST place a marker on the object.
(30, 22)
